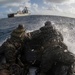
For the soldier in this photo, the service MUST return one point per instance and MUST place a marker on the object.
(54, 50)
(12, 47)
(34, 51)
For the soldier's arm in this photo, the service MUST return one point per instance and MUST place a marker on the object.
(35, 34)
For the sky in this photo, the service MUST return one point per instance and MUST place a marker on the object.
(39, 7)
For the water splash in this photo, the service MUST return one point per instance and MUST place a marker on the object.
(68, 33)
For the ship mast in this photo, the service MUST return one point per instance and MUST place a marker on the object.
(25, 10)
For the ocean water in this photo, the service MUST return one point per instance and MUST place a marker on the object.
(63, 24)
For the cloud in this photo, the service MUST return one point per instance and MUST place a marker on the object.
(55, 1)
(49, 7)
(34, 8)
(10, 10)
(59, 1)
(12, 1)
(61, 7)
(70, 9)
(10, 5)
(17, 4)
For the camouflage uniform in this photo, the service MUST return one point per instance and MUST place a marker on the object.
(11, 47)
(48, 50)
(54, 50)
(45, 43)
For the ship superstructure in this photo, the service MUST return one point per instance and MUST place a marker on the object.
(24, 12)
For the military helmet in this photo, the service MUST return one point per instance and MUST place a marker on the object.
(47, 28)
(48, 23)
(18, 32)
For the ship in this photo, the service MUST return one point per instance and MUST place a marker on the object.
(19, 13)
